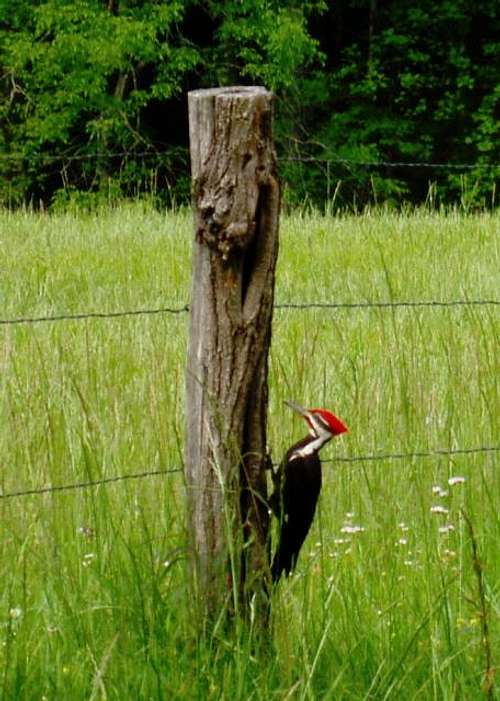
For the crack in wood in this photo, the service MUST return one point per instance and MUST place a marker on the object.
(236, 202)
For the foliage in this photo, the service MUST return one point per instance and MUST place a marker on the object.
(76, 78)
(405, 83)
(357, 82)
(267, 42)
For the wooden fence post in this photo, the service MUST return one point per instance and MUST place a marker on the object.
(236, 209)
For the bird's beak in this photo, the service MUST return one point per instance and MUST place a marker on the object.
(296, 407)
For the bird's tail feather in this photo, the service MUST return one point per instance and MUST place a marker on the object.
(282, 562)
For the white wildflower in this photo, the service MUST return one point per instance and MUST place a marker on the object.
(438, 509)
(452, 481)
(439, 491)
(350, 528)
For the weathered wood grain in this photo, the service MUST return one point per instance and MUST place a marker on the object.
(236, 210)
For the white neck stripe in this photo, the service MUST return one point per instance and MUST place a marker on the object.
(312, 447)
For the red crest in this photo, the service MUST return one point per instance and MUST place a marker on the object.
(336, 425)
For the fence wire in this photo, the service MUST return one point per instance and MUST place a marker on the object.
(79, 316)
(412, 304)
(159, 154)
(437, 452)
(388, 305)
(390, 164)
(87, 485)
(421, 454)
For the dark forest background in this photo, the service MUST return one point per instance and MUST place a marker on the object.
(93, 96)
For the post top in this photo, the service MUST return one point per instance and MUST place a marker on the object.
(231, 91)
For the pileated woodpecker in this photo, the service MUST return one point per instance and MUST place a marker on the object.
(297, 484)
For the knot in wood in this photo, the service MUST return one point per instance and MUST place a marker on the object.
(227, 240)
(226, 221)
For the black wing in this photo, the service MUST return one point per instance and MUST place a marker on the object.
(294, 500)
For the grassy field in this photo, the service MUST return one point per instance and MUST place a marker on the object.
(388, 601)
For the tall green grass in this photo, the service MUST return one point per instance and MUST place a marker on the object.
(385, 603)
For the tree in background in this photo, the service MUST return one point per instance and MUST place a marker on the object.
(357, 82)
(402, 82)
(76, 80)
(82, 81)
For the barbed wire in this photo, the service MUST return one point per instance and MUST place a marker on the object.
(83, 156)
(79, 316)
(437, 452)
(418, 454)
(387, 304)
(67, 158)
(88, 484)
(390, 164)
